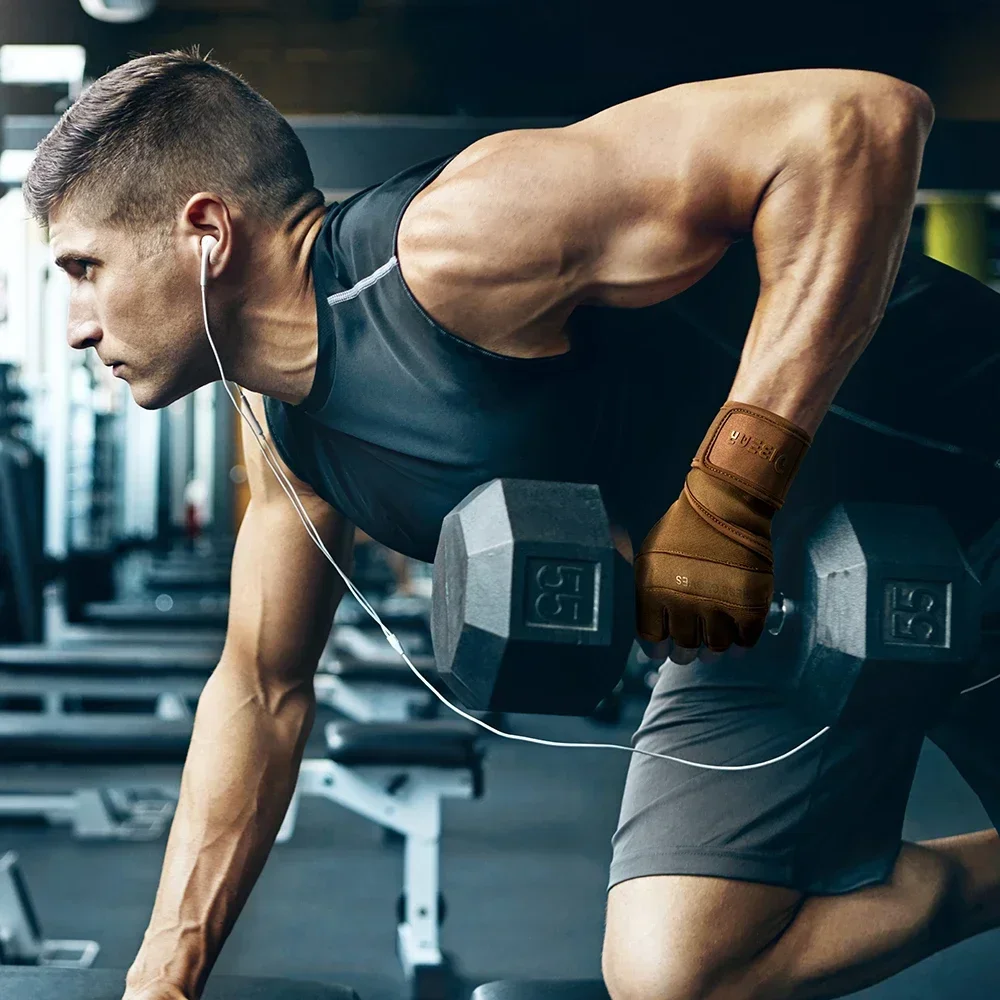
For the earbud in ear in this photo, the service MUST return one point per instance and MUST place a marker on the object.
(208, 244)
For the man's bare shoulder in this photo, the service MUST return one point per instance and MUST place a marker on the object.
(627, 207)
(488, 248)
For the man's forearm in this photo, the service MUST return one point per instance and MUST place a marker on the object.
(240, 773)
(829, 234)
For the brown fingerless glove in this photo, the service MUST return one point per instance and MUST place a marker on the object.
(705, 573)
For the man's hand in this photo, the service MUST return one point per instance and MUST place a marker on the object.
(705, 573)
(696, 584)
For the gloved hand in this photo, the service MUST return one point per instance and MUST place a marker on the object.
(704, 574)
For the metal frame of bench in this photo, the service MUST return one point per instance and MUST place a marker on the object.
(403, 795)
(21, 939)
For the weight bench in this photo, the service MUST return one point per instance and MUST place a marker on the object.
(128, 813)
(21, 938)
(382, 690)
(118, 660)
(208, 611)
(396, 775)
(361, 677)
(542, 989)
(173, 575)
(401, 612)
(101, 984)
(58, 697)
(62, 633)
(132, 814)
(74, 707)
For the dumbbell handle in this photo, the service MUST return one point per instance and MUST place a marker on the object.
(781, 610)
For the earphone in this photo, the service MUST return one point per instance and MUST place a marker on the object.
(208, 245)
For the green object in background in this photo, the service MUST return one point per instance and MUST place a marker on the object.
(955, 232)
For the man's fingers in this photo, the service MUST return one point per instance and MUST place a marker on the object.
(681, 634)
(684, 627)
(650, 617)
(720, 630)
(682, 655)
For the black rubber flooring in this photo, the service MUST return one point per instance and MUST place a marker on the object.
(524, 870)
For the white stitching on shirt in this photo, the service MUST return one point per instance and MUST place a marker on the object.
(356, 290)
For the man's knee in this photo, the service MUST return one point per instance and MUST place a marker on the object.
(672, 974)
(686, 938)
(636, 977)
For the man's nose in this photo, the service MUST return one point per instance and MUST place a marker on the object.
(83, 334)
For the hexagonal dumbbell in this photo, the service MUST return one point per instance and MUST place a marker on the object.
(533, 607)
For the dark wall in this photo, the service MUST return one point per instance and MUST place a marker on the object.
(517, 57)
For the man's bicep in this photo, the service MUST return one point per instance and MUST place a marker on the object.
(261, 478)
(284, 591)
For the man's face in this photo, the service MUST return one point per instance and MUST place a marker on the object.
(135, 299)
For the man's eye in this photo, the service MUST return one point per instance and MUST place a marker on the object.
(80, 270)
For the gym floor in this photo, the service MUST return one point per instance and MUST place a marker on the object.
(523, 870)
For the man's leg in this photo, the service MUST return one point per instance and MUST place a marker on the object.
(690, 938)
(697, 914)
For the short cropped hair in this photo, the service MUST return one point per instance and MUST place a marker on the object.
(147, 135)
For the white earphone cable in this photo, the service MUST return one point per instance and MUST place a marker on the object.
(250, 419)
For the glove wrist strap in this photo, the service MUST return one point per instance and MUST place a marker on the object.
(754, 450)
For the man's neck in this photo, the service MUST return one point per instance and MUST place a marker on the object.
(275, 325)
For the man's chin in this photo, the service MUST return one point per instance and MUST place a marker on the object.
(151, 397)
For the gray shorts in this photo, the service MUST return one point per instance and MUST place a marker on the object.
(827, 820)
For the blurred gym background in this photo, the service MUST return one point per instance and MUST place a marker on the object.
(117, 524)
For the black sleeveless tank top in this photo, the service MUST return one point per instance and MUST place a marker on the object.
(404, 418)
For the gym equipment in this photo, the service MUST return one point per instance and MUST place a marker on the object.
(122, 814)
(57, 702)
(533, 606)
(371, 647)
(181, 570)
(21, 477)
(126, 659)
(189, 611)
(379, 690)
(890, 617)
(142, 700)
(372, 573)
(541, 989)
(79, 705)
(21, 939)
(407, 615)
(102, 984)
(396, 774)
(66, 718)
(60, 632)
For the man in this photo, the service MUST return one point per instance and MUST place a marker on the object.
(541, 305)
